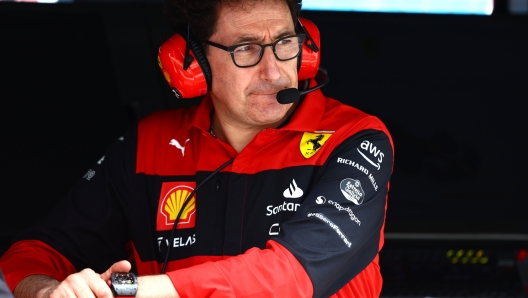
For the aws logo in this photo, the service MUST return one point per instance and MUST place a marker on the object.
(172, 197)
(374, 152)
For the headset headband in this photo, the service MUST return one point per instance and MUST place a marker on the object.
(186, 69)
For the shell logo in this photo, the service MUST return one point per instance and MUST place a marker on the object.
(172, 197)
(175, 201)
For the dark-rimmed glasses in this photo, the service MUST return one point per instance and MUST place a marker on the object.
(250, 54)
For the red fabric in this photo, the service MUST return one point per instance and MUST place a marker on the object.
(34, 254)
(308, 118)
(272, 272)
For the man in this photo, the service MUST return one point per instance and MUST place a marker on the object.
(298, 212)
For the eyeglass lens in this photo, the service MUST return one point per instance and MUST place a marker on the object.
(284, 49)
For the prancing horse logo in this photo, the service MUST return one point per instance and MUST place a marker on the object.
(315, 142)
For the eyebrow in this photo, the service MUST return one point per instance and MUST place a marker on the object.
(252, 38)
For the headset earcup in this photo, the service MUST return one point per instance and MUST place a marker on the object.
(197, 79)
(185, 83)
(202, 61)
(310, 59)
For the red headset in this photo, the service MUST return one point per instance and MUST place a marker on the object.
(192, 78)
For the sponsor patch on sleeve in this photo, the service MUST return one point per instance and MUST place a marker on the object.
(352, 190)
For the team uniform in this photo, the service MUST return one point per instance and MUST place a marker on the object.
(298, 213)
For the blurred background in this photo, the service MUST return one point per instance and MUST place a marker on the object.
(449, 79)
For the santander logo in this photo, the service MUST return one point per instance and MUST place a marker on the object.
(293, 191)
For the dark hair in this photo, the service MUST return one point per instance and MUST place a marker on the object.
(201, 15)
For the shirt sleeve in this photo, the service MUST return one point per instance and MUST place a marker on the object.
(335, 234)
(30, 257)
(338, 230)
(86, 229)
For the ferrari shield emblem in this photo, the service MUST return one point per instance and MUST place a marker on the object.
(312, 142)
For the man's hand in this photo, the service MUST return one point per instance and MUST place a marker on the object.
(86, 283)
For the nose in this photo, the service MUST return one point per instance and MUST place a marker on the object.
(269, 66)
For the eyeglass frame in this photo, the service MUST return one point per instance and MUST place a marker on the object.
(232, 48)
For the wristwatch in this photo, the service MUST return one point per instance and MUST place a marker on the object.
(124, 284)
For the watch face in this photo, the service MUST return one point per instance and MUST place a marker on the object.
(123, 278)
(124, 284)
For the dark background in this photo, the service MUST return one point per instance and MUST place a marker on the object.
(450, 88)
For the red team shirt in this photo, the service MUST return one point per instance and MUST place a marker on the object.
(298, 213)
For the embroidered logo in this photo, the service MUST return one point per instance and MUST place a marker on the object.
(352, 190)
(312, 142)
(176, 144)
(293, 191)
(172, 197)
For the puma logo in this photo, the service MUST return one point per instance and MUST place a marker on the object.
(176, 144)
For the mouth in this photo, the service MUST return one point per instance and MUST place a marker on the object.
(264, 94)
(267, 91)
(263, 98)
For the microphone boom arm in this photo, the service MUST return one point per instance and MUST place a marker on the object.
(321, 73)
(291, 95)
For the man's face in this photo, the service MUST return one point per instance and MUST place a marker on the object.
(246, 97)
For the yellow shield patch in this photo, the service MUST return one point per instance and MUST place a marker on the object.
(312, 142)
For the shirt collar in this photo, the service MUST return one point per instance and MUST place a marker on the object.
(309, 113)
(201, 118)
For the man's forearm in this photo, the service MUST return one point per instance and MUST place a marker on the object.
(39, 286)
(156, 286)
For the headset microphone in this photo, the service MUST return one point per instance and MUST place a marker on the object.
(289, 95)
(292, 95)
